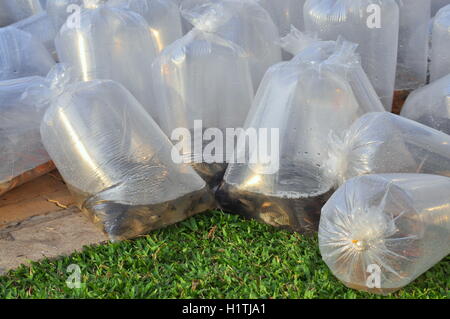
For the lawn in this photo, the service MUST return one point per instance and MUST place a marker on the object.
(214, 255)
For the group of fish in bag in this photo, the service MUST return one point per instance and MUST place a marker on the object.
(123, 103)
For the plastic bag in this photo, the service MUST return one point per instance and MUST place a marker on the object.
(372, 24)
(22, 55)
(438, 4)
(285, 13)
(202, 77)
(412, 61)
(117, 162)
(22, 154)
(111, 43)
(186, 25)
(380, 232)
(14, 10)
(163, 17)
(383, 142)
(430, 105)
(440, 53)
(322, 89)
(41, 27)
(60, 10)
(243, 22)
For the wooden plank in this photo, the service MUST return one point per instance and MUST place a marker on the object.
(52, 235)
(38, 220)
(44, 195)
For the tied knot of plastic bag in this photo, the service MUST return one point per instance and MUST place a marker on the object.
(342, 60)
(308, 50)
(57, 80)
(344, 55)
(296, 41)
(336, 162)
(371, 227)
(206, 15)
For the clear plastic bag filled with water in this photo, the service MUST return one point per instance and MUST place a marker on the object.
(110, 43)
(413, 44)
(372, 24)
(281, 179)
(162, 16)
(382, 142)
(243, 22)
(23, 157)
(440, 45)
(203, 86)
(285, 13)
(378, 233)
(430, 105)
(117, 162)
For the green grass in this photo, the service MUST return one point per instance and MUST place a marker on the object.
(214, 255)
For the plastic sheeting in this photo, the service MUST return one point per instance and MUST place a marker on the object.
(372, 24)
(380, 232)
(117, 162)
(295, 103)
